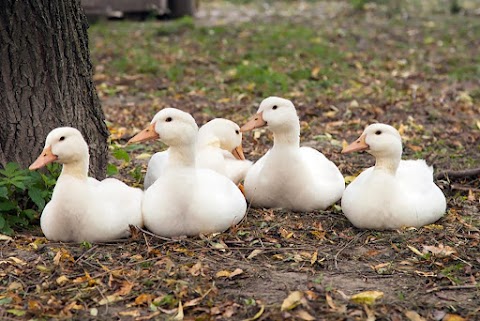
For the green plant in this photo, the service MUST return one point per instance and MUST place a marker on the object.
(23, 195)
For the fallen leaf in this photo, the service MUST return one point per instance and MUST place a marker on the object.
(144, 298)
(228, 274)
(366, 297)
(314, 258)
(292, 301)
(125, 289)
(5, 238)
(179, 315)
(258, 314)
(131, 313)
(440, 250)
(304, 315)
(109, 299)
(15, 286)
(253, 254)
(453, 317)
(414, 250)
(414, 316)
(16, 312)
(236, 272)
(62, 279)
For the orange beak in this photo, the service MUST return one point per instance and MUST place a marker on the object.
(238, 153)
(255, 122)
(356, 146)
(46, 157)
(148, 133)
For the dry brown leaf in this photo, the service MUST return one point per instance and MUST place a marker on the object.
(144, 298)
(314, 258)
(131, 313)
(292, 301)
(366, 297)
(196, 269)
(61, 280)
(126, 288)
(440, 250)
(304, 315)
(413, 316)
(414, 250)
(109, 299)
(253, 254)
(180, 314)
(236, 272)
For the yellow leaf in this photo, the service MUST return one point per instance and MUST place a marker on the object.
(5, 238)
(144, 298)
(236, 272)
(109, 299)
(304, 315)
(43, 268)
(314, 73)
(179, 315)
(413, 316)
(414, 250)
(253, 254)
(131, 313)
(143, 156)
(257, 315)
(366, 297)
(17, 260)
(62, 279)
(453, 317)
(314, 258)
(292, 301)
(223, 273)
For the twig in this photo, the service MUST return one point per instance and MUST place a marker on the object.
(84, 253)
(464, 188)
(458, 174)
(343, 248)
(453, 287)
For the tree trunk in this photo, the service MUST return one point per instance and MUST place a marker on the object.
(46, 80)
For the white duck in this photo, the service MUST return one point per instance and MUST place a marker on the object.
(394, 193)
(219, 147)
(186, 200)
(289, 176)
(82, 208)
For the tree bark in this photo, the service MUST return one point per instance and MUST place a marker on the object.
(46, 80)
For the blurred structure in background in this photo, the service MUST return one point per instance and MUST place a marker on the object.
(138, 9)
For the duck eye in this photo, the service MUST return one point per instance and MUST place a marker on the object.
(274, 107)
(62, 138)
(378, 132)
(169, 119)
(237, 132)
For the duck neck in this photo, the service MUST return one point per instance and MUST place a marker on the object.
(387, 164)
(287, 137)
(182, 156)
(77, 169)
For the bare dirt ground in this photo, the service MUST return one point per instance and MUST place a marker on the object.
(416, 69)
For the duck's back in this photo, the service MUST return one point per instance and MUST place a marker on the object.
(155, 168)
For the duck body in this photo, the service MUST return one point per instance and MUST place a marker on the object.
(155, 168)
(186, 200)
(395, 193)
(83, 208)
(192, 202)
(289, 176)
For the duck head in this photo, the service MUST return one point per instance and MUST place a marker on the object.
(223, 132)
(64, 145)
(379, 140)
(277, 113)
(172, 126)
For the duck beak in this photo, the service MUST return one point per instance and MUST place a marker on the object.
(238, 152)
(356, 146)
(46, 157)
(148, 133)
(256, 121)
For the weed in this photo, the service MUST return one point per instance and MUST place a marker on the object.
(23, 195)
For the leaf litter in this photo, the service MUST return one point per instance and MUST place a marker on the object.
(355, 68)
